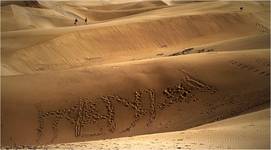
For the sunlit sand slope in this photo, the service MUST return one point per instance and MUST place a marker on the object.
(260, 41)
(139, 36)
(241, 132)
(259, 10)
(132, 39)
(22, 15)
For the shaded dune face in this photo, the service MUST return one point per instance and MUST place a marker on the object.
(32, 3)
(134, 98)
(145, 105)
(194, 138)
(113, 11)
(129, 6)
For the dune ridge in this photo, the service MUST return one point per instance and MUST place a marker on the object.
(18, 16)
(78, 48)
(202, 137)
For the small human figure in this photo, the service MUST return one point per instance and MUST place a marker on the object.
(86, 20)
(75, 21)
(241, 8)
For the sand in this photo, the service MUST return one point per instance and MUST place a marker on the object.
(250, 131)
(159, 91)
(145, 34)
(157, 69)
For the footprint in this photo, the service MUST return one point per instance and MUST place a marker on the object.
(250, 68)
(255, 70)
(244, 66)
(262, 73)
(179, 147)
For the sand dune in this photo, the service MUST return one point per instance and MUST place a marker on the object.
(32, 3)
(159, 91)
(258, 11)
(131, 5)
(261, 41)
(137, 67)
(18, 17)
(250, 130)
(81, 47)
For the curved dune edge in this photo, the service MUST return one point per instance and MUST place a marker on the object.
(133, 37)
(31, 15)
(252, 42)
(115, 43)
(249, 131)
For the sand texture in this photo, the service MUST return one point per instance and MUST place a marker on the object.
(138, 75)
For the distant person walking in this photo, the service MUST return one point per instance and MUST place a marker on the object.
(75, 21)
(86, 20)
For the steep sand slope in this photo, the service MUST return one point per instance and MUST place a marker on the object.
(14, 17)
(132, 98)
(249, 131)
(259, 41)
(113, 77)
(32, 3)
(18, 17)
(109, 11)
(261, 12)
(128, 5)
(129, 41)
(16, 40)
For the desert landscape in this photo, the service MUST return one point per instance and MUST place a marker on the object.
(137, 74)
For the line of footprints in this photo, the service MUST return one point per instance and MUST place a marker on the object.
(250, 68)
